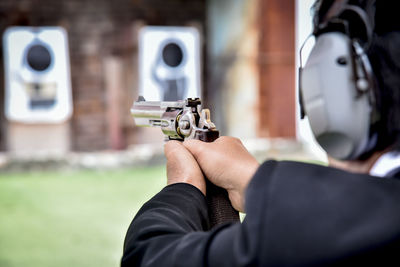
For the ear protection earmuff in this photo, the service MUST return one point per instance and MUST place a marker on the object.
(337, 84)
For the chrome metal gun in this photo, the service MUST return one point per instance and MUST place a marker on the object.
(183, 120)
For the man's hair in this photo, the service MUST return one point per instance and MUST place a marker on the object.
(384, 55)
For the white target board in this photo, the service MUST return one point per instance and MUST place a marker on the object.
(37, 75)
(169, 63)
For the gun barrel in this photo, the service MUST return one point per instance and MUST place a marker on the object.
(154, 109)
(150, 112)
(158, 114)
(147, 117)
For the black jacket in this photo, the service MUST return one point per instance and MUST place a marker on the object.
(297, 214)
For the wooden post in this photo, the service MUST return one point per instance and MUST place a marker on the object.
(277, 68)
(113, 73)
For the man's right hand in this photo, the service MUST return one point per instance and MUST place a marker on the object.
(227, 164)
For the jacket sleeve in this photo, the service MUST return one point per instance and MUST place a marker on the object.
(296, 215)
(316, 215)
(172, 229)
(168, 228)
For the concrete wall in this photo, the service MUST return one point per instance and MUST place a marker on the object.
(251, 64)
(233, 67)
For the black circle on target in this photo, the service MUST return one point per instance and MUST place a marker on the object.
(38, 57)
(172, 54)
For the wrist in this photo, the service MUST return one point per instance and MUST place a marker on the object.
(251, 169)
(198, 183)
(238, 194)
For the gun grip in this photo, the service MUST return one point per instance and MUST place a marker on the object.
(206, 135)
(220, 209)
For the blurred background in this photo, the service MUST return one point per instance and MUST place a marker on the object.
(73, 167)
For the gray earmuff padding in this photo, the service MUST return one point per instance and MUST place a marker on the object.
(339, 116)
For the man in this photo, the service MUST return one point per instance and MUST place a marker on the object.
(296, 213)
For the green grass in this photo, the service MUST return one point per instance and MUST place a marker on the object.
(74, 218)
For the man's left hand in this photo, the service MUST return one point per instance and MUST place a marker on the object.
(182, 166)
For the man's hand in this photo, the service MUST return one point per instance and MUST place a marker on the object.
(182, 167)
(227, 164)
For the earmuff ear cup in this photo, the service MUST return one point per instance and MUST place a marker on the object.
(339, 115)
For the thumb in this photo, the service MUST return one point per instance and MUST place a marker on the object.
(171, 148)
(182, 167)
(177, 154)
(196, 147)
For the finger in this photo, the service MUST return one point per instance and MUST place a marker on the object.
(228, 139)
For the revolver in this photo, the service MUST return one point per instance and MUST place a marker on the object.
(183, 120)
